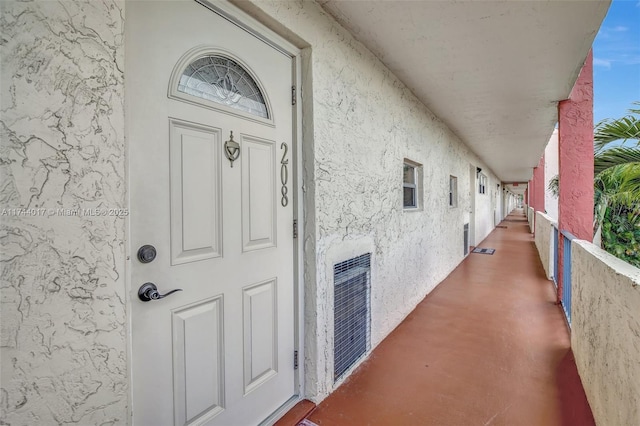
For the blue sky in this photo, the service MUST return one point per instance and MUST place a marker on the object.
(616, 61)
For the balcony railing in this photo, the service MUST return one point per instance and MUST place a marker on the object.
(548, 239)
(601, 299)
(567, 238)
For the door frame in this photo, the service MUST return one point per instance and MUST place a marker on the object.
(472, 204)
(243, 20)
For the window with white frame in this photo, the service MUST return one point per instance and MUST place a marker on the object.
(411, 184)
(482, 183)
(453, 191)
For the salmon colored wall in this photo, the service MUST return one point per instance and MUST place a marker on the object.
(575, 129)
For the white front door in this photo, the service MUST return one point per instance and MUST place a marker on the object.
(221, 351)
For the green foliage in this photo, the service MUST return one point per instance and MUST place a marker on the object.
(616, 188)
(621, 234)
(615, 156)
(617, 185)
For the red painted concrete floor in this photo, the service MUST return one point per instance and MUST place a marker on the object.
(488, 346)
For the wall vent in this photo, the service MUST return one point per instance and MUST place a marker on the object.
(466, 239)
(352, 312)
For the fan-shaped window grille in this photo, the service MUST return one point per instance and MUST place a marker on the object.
(224, 81)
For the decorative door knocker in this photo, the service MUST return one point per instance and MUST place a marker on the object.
(284, 175)
(232, 149)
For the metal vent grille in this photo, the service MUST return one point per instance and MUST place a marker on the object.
(352, 312)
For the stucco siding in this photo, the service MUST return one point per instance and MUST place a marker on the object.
(544, 241)
(64, 351)
(605, 334)
(575, 153)
(551, 171)
(365, 122)
(63, 278)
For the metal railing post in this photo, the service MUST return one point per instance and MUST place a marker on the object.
(566, 274)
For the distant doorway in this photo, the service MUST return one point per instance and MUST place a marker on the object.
(472, 204)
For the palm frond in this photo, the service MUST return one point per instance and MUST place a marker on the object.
(618, 185)
(633, 110)
(554, 186)
(632, 184)
(614, 157)
(631, 180)
(623, 129)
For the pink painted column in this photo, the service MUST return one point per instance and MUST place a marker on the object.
(575, 146)
(538, 189)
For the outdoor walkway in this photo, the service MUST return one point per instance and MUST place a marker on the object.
(487, 347)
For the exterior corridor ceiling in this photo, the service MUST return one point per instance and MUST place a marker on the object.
(519, 188)
(493, 71)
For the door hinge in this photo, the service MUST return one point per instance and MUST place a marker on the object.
(293, 95)
(295, 228)
(295, 360)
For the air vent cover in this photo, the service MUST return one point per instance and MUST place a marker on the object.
(352, 312)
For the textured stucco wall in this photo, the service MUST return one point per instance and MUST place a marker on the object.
(575, 161)
(63, 294)
(550, 171)
(64, 351)
(365, 122)
(605, 334)
(575, 136)
(531, 214)
(544, 241)
(510, 202)
(538, 186)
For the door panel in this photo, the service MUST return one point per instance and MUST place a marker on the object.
(195, 192)
(219, 352)
(198, 361)
(260, 338)
(259, 226)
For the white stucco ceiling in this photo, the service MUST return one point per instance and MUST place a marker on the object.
(493, 71)
(517, 188)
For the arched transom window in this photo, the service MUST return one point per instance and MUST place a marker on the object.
(222, 80)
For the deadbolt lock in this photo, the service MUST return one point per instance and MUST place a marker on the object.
(146, 253)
